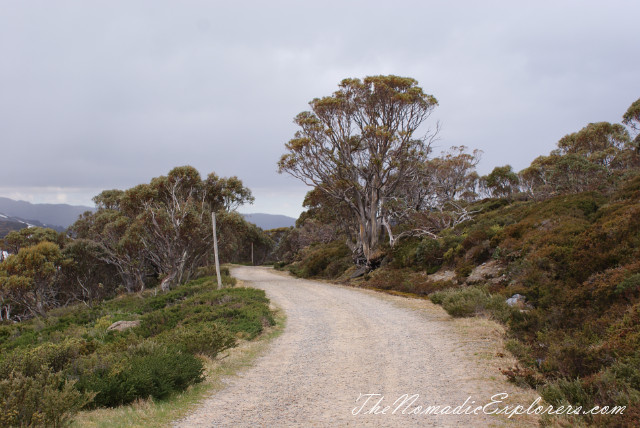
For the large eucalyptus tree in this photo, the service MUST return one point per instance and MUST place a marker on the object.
(360, 145)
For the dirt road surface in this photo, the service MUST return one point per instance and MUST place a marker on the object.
(342, 343)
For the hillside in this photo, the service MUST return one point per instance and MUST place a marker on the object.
(270, 221)
(124, 349)
(562, 274)
(49, 215)
(8, 223)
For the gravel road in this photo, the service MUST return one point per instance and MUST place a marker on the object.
(340, 342)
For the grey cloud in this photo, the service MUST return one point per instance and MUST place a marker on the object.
(110, 94)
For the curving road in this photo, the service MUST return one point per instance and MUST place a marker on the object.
(340, 342)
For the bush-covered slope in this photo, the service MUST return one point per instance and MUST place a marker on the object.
(576, 260)
(78, 362)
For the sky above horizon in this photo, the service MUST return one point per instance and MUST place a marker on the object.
(109, 94)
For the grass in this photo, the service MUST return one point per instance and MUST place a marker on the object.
(159, 413)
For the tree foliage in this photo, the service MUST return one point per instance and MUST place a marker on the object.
(452, 175)
(163, 226)
(502, 182)
(153, 233)
(29, 278)
(631, 118)
(86, 277)
(236, 236)
(359, 145)
(594, 158)
(114, 231)
(17, 239)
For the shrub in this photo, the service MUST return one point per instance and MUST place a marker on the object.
(46, 399)
(469, 301)
(463, 271)
(497, 307)
(404, 253)
(429, 254)
(613, 386)
(53, 356)
(323, 260)
(521, 351)
(202, 338)
(630, 285)
(565, 391)
(242, 311)
(210, 271)
(152, 360)
(145, 370)
(337, 267)
(463, 302)
(524, 377)
(156, 322)
(572, 356)
(388, 278)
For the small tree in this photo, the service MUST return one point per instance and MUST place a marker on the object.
(452, 175)
(631, 118)
(31, 236)
(120, 242)
(601, 143)
(436, 198)
(502, 182)
(163, 225)
(30, 278)
(172, 222)
(86, 275)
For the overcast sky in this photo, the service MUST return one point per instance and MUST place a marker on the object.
(108, 94)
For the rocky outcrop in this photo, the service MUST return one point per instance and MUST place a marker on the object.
(123, 325)
(443, 275)
(491, 271)
(518, 301)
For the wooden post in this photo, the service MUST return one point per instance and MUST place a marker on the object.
(215, 249)
(252, 254)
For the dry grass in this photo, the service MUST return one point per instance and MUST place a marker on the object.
(484, 339)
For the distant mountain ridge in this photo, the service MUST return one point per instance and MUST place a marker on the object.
(8, 224)
(270, 221)
(15, 215)
(58, 216)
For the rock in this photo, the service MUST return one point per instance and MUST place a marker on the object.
(546, 225)
(123, 325)
(445, 275)
(486, 271)
(516, 300)
(358, 272)
(385, 261)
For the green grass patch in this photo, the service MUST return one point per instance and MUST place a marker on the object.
(470, 301)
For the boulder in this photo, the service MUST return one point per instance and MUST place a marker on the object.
(486, 271)
(443, 275)
(516, 300)
(123, 325)
(359, 272)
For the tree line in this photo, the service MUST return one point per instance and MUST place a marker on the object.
(366, 154)
(154, 234)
